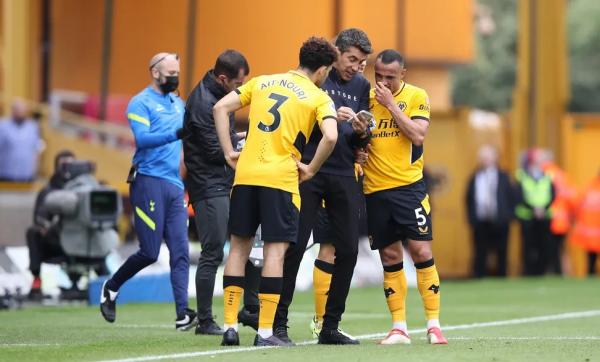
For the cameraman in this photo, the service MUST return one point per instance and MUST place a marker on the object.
(43, 237)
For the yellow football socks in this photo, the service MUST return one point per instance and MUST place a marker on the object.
(321, 280)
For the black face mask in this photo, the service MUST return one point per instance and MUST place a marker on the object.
(171, 83)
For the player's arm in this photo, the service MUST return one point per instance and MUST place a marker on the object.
(414, 128)
(139, 120)
(329, 130)
(230, 103)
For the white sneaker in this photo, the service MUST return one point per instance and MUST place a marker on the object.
(435, 336)
(315, 327)
(396, 336)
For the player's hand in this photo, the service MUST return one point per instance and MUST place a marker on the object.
(232, 158)
(360, 170)
(345, 114)
(241, 135)
(359, 126)
(383, 95)
(305, 173)
(361, 155)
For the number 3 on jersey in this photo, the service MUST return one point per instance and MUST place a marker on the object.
(279, 99)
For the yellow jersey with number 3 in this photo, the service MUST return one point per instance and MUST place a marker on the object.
(393, 160)
(283, 111)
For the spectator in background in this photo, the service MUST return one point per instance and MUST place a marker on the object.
(586, 232)
(20, 145)
(490, 209)
(43, 238)
(535, 194)
(362, 66)
(562, 211)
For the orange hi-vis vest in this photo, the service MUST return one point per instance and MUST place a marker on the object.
(587, 223)
(562, 206)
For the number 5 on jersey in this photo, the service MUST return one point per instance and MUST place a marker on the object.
(274, 110)
(421, 220)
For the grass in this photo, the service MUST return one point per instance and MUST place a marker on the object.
(78, 333)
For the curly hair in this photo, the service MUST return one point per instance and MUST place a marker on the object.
(317, 52)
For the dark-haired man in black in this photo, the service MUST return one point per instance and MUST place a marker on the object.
(336, 226)
(209, 181)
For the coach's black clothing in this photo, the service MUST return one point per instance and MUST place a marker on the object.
(208, 174)
(353, 94)
(336, 184)
(209, 181)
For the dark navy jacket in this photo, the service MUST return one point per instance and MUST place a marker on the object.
(355, 95)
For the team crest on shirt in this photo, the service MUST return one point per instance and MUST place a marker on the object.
(402, 105)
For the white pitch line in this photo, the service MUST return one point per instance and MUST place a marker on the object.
(585, 338)
(552, 317)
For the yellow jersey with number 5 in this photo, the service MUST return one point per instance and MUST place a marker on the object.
(393, 160)
(283, 111)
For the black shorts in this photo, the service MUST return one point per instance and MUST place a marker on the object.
(276, 211)
(401, 213)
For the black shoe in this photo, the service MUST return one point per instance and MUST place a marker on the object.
(35, 295)
(281, 333)
(108, 303)
(271, 341)
(335, 336)
(208, 326)
(186, 320)
(230, 338)
(248, 319)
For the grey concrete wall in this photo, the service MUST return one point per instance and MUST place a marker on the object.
(16, 215)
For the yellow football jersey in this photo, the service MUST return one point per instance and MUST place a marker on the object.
(393, 160)
(283, 111)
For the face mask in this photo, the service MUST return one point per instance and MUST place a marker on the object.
(171, 83)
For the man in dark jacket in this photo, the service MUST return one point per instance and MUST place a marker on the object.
(43, 237)
(209, 181)
(490, 206)
(335, 227)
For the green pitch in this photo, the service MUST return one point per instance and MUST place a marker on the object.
(492, 320)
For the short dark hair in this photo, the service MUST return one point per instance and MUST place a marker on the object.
(389, 56)
(62, 154)
(317, 52)
(353, 37)
(229, 64)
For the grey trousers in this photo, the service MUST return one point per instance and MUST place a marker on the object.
(211, 223)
